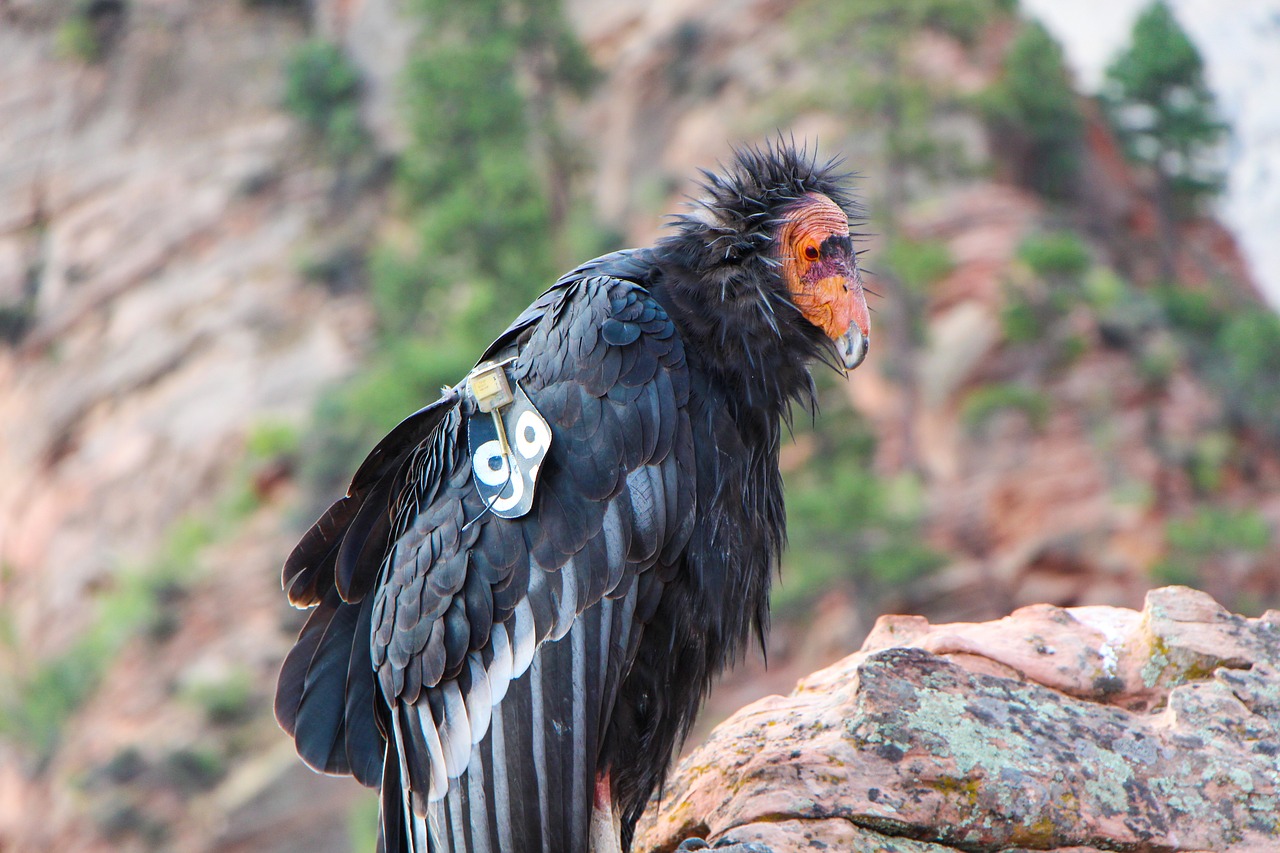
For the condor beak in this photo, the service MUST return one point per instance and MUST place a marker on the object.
(852, 347)
(836, 304)
(853, 344)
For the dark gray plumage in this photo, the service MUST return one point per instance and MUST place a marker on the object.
(499, 677)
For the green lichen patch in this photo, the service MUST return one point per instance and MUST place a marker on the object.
(1014, 763)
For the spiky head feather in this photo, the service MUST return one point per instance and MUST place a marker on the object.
(737, 214)
(724, 269)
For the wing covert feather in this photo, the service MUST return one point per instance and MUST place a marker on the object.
(526, 616)
(477, 645)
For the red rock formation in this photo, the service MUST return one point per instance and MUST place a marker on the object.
(1068, 729)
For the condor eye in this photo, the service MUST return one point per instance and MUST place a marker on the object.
(811, 252)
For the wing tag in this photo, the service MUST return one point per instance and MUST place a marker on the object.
(508, 439)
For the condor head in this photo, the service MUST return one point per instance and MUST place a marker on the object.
(820, 269)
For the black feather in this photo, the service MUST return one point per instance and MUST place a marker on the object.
(320, 731)
(365, 741)
(360, 554)
(293, 672)
(664, 374)
(308, 572)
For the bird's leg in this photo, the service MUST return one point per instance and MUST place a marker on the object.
(606, 824)
(606, 829)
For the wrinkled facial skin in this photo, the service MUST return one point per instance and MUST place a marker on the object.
(821, 273)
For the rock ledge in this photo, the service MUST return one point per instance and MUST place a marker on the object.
(1087, 728)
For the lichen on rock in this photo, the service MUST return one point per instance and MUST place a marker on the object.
(1052, 729)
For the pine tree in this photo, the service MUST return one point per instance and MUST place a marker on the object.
(482, 184)
(871, 42)
(874, 39)
(1032, 112)
(1164, 114)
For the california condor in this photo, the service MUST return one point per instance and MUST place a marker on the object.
(523, 598)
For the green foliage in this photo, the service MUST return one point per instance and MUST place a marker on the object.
(1251, 341)
(1033, 110)
(1138, 321)
(868, 44)
(481, 211)
(1246, 363)
(269, 446)
(322, 88)
(1208, 461)
(1176, 569)
(403, 376)
(45, 696)
(193, 770)
(1210, 533)
(1128, 317)
(225, 701)
(918, 264)
(1057, 254)
(80, 35)
(1194, 312)
(963, 20)
(1104, 289)
(1162, 110)
(1070, 348)
(362, 824)
(482, 182)
(984, 402)
(35, 707)
(271, 439)
(1158, 357)
(847, 526)
(37, 700)
(1237, 351)
(587, 236)
(891, 22)
(1021, 320)
(1059, 260)
(182, 546)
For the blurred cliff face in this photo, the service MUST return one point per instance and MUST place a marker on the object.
(217, 225)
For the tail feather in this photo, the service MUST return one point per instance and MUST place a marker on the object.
(321, 722)
(365, 738)
(529, 782)
(393, 835)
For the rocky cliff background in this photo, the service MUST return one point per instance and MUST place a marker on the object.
(194, 270)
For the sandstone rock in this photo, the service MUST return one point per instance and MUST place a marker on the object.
(960, 339)
(151, 208)
(1052, 729)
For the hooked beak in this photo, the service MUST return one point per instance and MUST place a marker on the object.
(852, 347)
(836, 304)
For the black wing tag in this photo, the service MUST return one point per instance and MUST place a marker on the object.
(508, 439)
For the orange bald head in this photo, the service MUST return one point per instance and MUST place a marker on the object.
(821, 273)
